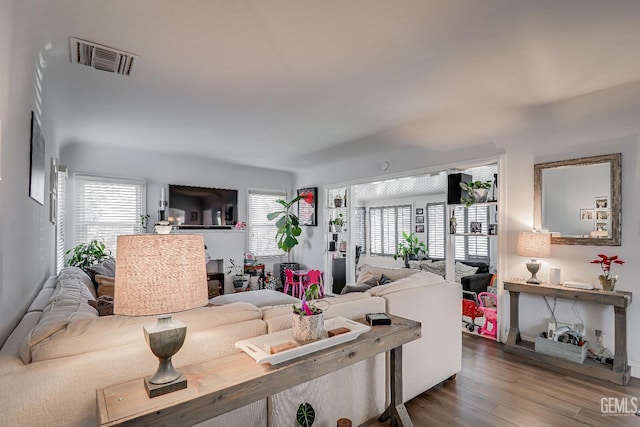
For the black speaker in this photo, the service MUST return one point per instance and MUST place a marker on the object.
(454, 191)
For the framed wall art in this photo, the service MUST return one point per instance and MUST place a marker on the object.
(308, 212)
(36, 165)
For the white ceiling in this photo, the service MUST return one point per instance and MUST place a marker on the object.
(268, 81)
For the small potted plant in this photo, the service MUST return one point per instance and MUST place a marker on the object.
(85, 255)
(338, 223)
(607, 280)
(477, 190)
(308, 318)
(410, 248)
(240, 278)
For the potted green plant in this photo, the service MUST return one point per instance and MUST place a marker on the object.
(338, 223)
(240, 278)
(144, 222)
(308, 318)
(411, 247)
(288, 224)
(85, 255)
(477, 190)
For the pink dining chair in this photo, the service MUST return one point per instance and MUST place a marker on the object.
(314, 276)
(288, 281)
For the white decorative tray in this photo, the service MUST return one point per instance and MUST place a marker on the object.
(255, 347)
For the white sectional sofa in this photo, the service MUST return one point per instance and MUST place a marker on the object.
(61, 352)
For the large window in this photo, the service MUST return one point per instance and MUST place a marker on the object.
(436, 229)
(262, 232)
(471, 248)
(387, 225)
(105, 208)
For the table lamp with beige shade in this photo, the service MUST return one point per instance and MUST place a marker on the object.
(161, 275)
(534, 245)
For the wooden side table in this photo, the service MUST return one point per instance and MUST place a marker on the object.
(226, 383)
(620, 373)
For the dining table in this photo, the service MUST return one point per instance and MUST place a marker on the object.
(300, 274)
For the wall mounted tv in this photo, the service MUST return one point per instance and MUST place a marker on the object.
(200, 207)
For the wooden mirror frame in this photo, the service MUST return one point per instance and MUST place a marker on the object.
(616, 199)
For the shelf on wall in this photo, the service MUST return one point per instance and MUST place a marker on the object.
(476, 204)
(476, 234)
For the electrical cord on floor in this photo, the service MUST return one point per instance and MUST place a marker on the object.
(552, 311)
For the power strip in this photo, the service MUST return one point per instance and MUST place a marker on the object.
(577, 285)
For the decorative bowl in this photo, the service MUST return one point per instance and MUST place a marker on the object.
(163, 227)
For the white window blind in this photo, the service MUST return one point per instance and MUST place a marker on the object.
(61, 217)
(106, 208)
(436, 229)
(387, 225)
(361, 228)
(262, 232)
(472, 248)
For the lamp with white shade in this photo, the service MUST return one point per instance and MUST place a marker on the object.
(534, 245)
(160, 275)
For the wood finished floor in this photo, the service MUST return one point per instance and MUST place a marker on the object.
(497, 390)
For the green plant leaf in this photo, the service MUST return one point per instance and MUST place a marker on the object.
(305, 415)
(273, 215)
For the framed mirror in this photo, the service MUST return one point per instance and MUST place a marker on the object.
(579, 200)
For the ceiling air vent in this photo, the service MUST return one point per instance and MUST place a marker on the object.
(101, 57)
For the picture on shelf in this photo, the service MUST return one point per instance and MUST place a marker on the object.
(420, 219)
(419, 211)
(493, 229)
(601, 226)
(602, 215)
(475, 227)
(586, 214)
(419, 228)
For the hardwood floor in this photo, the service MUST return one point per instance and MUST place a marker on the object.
(497, 390)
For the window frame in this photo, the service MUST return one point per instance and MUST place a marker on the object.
(397, 231)
(444, 229)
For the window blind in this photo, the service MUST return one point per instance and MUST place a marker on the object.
(262, 232)
(361, 228)
(387, 225)
(472, 248)
(106, 208)
(61, 217)
(436, 229)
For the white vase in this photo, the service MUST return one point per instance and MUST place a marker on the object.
(308, 329)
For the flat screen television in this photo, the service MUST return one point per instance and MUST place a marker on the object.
(201, 207)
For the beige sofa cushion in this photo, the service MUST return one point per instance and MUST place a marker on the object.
(68, 302)
(87, 335)
(410, 282)
(392, 273)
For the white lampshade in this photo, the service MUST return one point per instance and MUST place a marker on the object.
(159, 274)
(533, 245)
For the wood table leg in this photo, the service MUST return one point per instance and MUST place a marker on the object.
(514, 318)
(397, 411)
(620, 357)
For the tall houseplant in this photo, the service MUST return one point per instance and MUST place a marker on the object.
(288, 224)
(411, 246)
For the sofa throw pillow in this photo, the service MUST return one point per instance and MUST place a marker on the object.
(360, 287)
(414, 265)
(366, 277)
(106, 285)
(436, 267)
(104, 305)
(105, 268)
(463, 270)
(384, 280)
(424, 263)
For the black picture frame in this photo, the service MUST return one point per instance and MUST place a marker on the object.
(308, 212)
(419, 228)
(420, 219)
(419, 211)
(36, 162)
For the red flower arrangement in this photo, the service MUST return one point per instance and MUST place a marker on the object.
(605, 263)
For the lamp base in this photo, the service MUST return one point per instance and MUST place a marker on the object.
(154, 390)
(533, 268)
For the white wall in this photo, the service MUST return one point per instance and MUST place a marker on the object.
(159, 169)
(26, 236)
(600, 123)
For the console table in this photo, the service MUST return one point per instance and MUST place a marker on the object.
(618, 374)
(223, 384)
